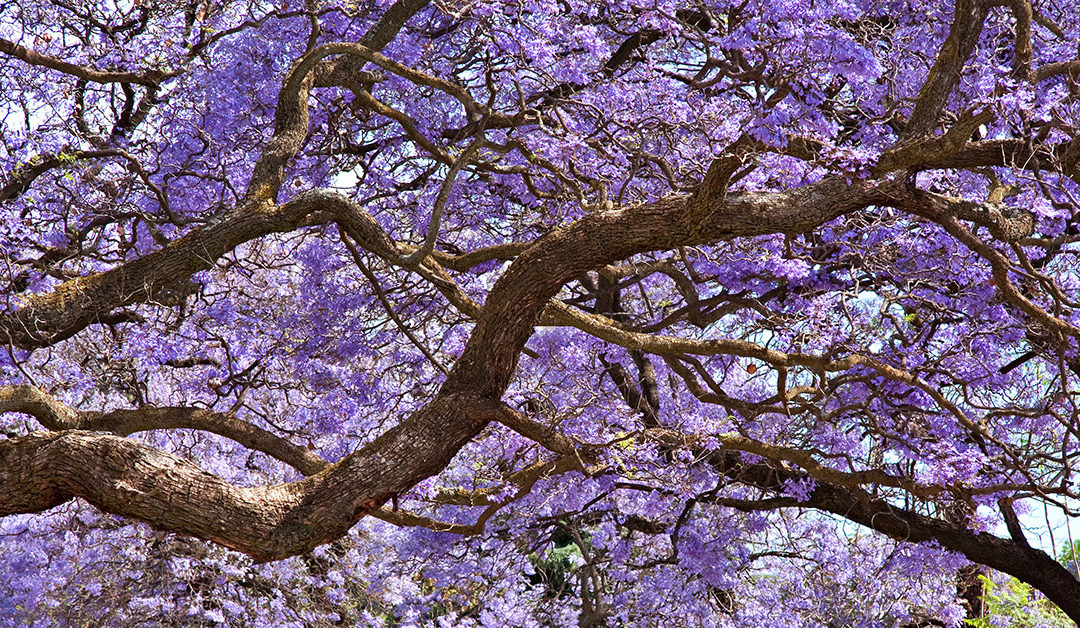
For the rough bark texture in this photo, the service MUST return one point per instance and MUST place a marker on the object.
(125, 477)
(293, 518)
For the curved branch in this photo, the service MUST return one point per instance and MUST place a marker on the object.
(45, 319)
(57, 416)
(131, 479)
(1027, 564)
(435, 221)
(39, 404)
(344, 70)
(21, 178)
(968, 18)
(126, 422)
(149, 78)
(948, 213)
(519, 297)
(1015, 558)
(291, 114)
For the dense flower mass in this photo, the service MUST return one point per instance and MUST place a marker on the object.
(534, 313)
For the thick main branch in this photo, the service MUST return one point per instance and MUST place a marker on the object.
(129, 478)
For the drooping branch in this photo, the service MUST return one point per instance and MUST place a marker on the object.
(524, 480)
(388, 307)
(851, 502)
(1010, 228)
(21, 179)
(842, 494)
(1025, 563)
(125, 422)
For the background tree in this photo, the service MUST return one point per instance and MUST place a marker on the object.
(528, 312)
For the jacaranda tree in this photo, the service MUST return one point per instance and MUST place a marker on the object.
(538, 312)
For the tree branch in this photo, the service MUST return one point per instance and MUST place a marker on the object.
(149, 78)
(57, 416)
(968, 18)
(131, 479)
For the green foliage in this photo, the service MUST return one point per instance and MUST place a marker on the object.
(1070, 555)
(1015, 604)
(555, 567)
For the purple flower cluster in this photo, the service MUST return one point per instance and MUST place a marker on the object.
(793, 286)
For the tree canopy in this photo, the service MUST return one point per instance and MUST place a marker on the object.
(534, 312)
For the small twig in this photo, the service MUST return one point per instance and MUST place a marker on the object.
(358, 260)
